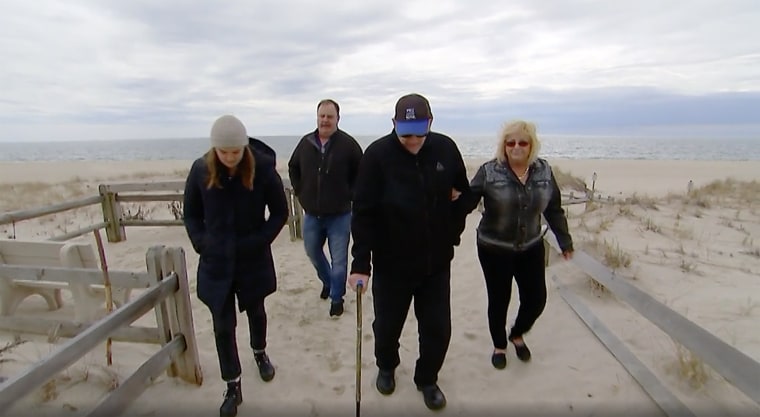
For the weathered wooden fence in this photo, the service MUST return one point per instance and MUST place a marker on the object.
(740, 370)
(111, 196)
(166, 291)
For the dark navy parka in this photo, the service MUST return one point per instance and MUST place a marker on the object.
(229, 230)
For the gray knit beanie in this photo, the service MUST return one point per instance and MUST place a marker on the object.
(228, 132)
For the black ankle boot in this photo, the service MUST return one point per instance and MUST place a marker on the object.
(433, 396)
(386, 381)
(336, 308)
(232, 399)
(266, 370)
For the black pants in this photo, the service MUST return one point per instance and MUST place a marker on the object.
(226, 339)
(527, 268)
(392, 296)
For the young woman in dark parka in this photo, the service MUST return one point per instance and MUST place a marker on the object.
(226, 193)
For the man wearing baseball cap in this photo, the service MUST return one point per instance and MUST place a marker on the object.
(405, 224)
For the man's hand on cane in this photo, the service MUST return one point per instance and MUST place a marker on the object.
(354, 279)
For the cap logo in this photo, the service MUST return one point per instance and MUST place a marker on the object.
(410, 114)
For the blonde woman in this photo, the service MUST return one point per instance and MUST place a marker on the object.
(226, 194)
(517, 187)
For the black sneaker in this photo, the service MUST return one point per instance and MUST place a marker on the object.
(336, 309)
(325, 292)
(386, 382)
(266, 370)
(233, 397)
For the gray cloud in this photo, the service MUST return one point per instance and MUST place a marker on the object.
(114, 69)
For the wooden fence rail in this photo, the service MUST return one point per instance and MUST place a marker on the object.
(114, 194)
(736, 367)
(169, 296)
(111, 196)
(18, 215)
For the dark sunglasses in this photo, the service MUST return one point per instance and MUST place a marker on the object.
(522, 143)
(413, 136)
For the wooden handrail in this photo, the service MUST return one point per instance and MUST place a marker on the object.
(18, 215)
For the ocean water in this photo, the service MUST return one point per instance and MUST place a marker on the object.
(553, 146)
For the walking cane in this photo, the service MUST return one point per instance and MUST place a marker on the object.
(359, 286)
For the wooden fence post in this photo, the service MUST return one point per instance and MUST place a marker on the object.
(299, 218)
(191, 369)
(153, 263)
(170, 309)
(291, 213)
(295, 215)
(111, 214)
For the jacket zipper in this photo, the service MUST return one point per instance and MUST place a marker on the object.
(425, 215)
(319, 180)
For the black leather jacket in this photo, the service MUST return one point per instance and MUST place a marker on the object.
(512, 216)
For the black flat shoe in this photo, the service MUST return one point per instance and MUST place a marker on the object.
(523, 353)
(386, 382)
(433, 396)
(499, 360)
(325, 293)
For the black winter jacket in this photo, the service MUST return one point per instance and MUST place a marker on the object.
(324, 181)
(227, 226)
(403, 219)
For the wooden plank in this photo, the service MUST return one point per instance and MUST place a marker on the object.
(69, 329)
(143, 186)
(136, 222)
(192, 372)
(119, 399)
(124, 279)
(289, 196)
(79, 232)
(17, 387)
(24, 252)
(153, 263)
(150, 197)
(168, 311)
(112, 216)
(736, 367)
(25, 214)
(668, 403)
(85, 255)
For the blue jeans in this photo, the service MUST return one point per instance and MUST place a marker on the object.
(336, 230)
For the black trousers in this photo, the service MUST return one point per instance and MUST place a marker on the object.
(499, 267)
(392, 296)
(226, 338)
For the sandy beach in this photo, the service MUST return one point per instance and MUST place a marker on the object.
(696, 252)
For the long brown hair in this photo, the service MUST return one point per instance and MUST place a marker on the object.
(245, 168)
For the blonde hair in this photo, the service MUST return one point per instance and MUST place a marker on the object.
(508, 130)
(246, 167)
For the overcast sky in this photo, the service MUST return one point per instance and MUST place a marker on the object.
(119, 69)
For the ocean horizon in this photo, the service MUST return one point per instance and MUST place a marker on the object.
(553, 147)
